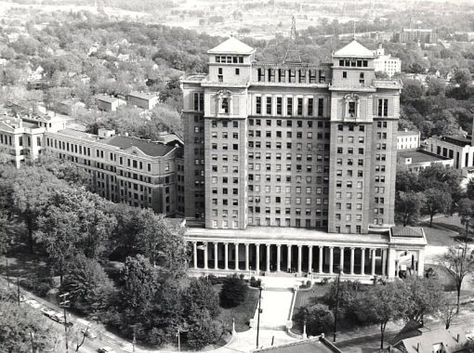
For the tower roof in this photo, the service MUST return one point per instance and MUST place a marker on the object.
(354, 50)
(232, 46)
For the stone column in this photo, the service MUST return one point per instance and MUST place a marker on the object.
(300, 260)
(226, 256)
(341, 259)
(289, 257)
(268, 257)
(372, 252)
(421, 262)
(257, 258)
(331, 260)
(362, 261)
(206, 248)
(236, 256)
(278, 257)
(352, 261)
(195, 252)
(310, 258)
(247, 259)
(391, 262)
(216, 255)
(384, 262)
(320, 265)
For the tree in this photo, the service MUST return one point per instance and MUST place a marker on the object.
(318, 319)
(425, 296)
(466, 213)
(459, 263)
(470, 189)
(139, 284)
(447, 312)
(18, 324)
(89, 287)
(32, 189)
(436, 201)
(233, 292)
(408, 207)
(201, 295)
(381, 304)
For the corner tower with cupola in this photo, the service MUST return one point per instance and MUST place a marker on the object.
(364, 118)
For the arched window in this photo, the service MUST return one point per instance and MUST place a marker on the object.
(351, 106)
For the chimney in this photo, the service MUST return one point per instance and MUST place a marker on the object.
(458, 338)
(418, 347)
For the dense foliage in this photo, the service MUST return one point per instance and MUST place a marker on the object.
(77, 232)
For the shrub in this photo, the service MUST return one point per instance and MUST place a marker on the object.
(255, 283)
(233, 292)
(319, 319)
(39, 286)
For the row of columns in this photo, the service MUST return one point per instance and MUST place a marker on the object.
(256, 257)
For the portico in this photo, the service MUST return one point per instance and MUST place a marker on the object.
(264, 251)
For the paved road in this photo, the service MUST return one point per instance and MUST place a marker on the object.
(90, 345)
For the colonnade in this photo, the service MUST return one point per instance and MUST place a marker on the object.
(292, 258)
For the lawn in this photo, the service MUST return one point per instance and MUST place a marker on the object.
(241, 313)
(445, 231)
(310, 296)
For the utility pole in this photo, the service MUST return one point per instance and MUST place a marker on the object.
(337, 304)
(32, 337)
(259, 312)
(179, 341)
(64, 304)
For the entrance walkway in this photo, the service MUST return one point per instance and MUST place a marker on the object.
(276, 305)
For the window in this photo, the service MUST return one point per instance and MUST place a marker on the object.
(279, 105)
(351, 109)
(225, 105)
(344, 74)
(220, 77)
(289, 106)
(382, 107)
(300, 106)
(269, 106)
(237, 72)
(258, 105)
(320, 106)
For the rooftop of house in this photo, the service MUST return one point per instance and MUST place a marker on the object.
(408, 132)
(232, 46)
(312, 345)
(152, 149)
(411, 232)
(354, 50)
(420, 156)
(457, 140)
(105, 98)
(423, 340)
(142, 95)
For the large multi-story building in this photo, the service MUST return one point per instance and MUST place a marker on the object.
(422, 35)
(122, 169)
(286, 159)
(386, 63)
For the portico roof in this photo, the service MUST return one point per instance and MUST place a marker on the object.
(286, 235)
